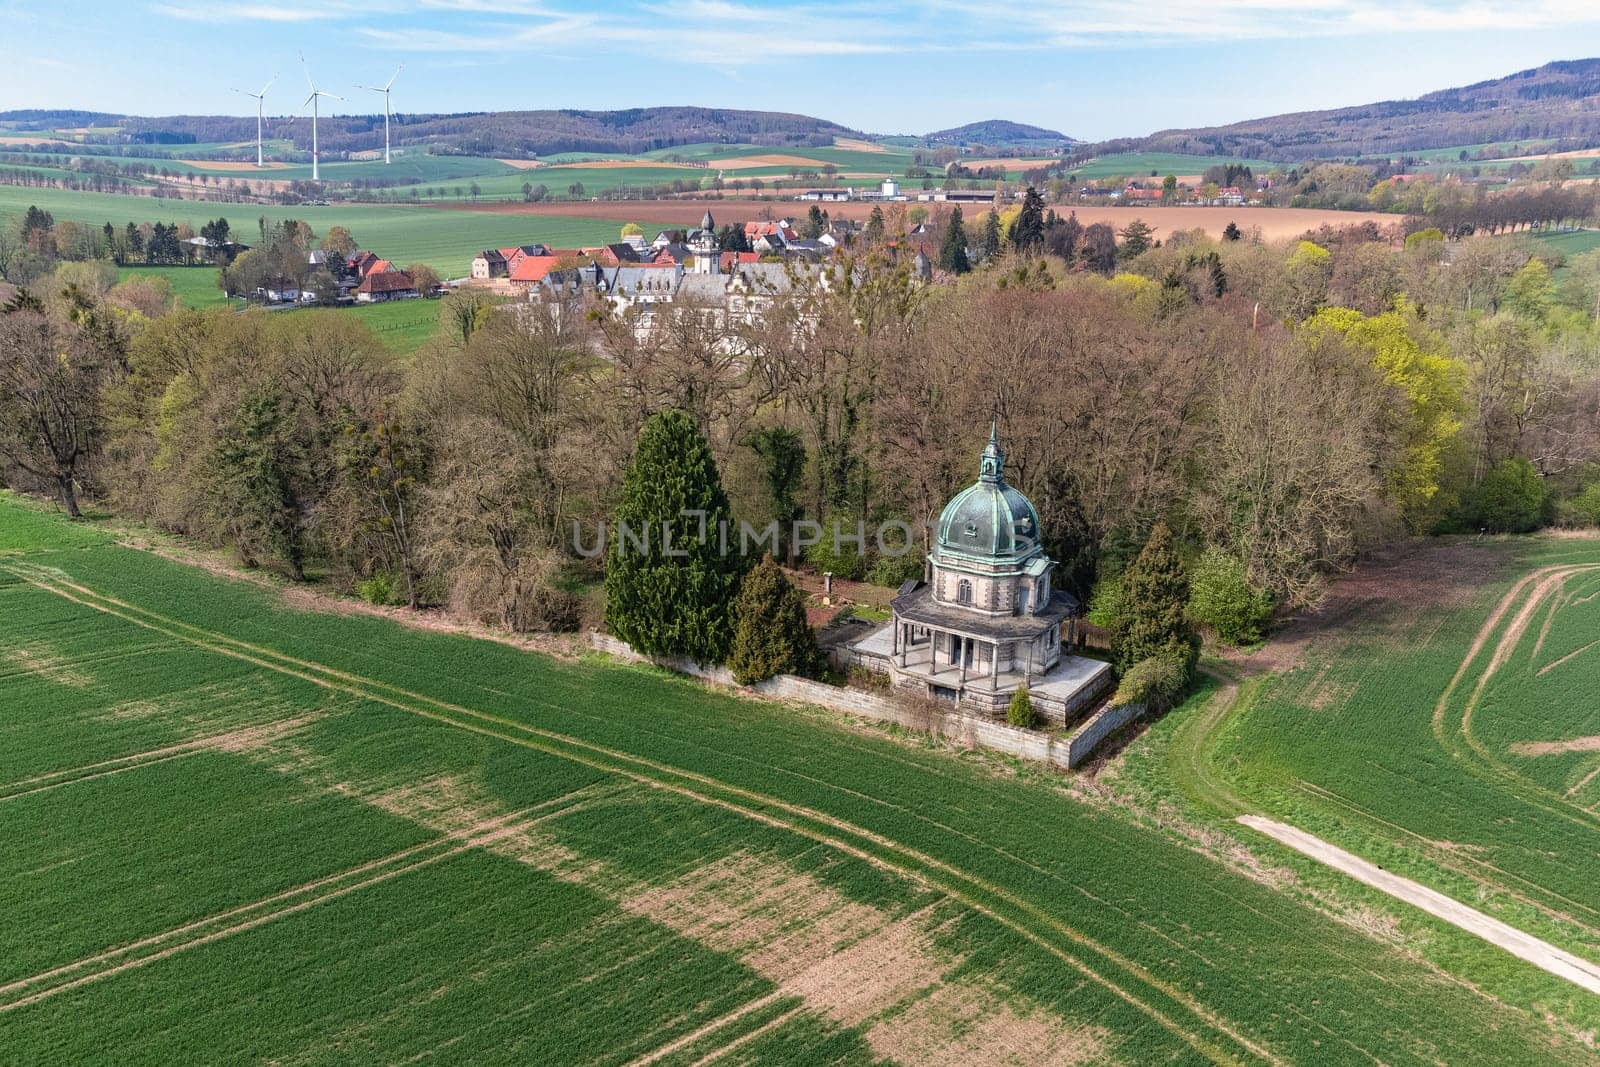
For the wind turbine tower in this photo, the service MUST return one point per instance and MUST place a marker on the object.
(314, 99)
(260, 99)
(385, 92)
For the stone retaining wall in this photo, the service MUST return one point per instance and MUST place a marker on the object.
(1099, 726)
(951, 725)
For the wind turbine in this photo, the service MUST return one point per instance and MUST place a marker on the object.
(385, 92)
(261, 98)
(313, 99)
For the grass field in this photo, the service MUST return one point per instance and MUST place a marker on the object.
(195, 287)
(1447, 730)
(403, 325)
(241, 830)
(1570, 243)
(445, 240)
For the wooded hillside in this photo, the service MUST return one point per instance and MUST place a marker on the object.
(1559, 101)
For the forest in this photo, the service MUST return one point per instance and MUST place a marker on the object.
(1536, 104)
(1282, 408)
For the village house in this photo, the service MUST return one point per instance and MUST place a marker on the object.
(381, 286)
(986, 618)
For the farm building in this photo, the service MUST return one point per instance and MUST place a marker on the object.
(383, 285)
(986, 619)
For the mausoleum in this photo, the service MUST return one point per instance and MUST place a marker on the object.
(986, 616)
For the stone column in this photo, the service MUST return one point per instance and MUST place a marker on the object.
(994, 665)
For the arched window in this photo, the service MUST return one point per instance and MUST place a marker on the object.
(963, 592)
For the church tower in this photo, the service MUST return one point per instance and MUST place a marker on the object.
(703, 243)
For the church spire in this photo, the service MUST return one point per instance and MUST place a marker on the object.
(993, 466)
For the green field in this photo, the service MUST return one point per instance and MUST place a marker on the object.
(1448, 733)
(1570, 243)
(403, 325)
(446, 240)
(237, 830)
(195, 287)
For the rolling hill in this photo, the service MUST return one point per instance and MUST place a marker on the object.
(1000, 133)
(1558, 102)
(493, 133)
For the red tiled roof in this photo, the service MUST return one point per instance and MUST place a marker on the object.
(732, 259)
(386, 281)
(532, 268)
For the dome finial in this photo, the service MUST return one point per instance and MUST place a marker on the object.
(992, 468)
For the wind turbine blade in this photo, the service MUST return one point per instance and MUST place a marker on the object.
(307, 69)
(310, 98)
(267, 86)
(396, 75)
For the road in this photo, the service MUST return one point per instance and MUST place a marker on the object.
(1541, 954)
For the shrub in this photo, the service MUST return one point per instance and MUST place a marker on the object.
(770, 633)
(1431, 234)
(1512, 498)
(1154, 682)
(558, 610)
(893, 571)
(848, 562)
(1587, 503)
(1222, 599)
(1020, 713)
(1105, 602)
(380, 589)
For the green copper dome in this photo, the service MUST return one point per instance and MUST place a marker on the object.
(989, 519)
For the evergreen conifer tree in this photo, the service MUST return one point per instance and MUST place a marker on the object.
(991, 235)
(770, 634)
(874, 231)
(670, 583)
(953, 254)
(1020, 711)
(1027, 232)
(1151, 619)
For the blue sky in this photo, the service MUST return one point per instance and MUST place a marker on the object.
(1091, 68)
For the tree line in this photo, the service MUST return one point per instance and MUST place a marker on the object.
(1279, 409)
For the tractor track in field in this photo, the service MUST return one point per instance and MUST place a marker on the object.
(24, 991)
(221, 740)
(1454, 730)
(1201, 1030)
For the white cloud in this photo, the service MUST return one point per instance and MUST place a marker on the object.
(266, 12)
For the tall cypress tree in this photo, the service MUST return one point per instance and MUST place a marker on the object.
(953, 253)
(991, 234)
(874, 231)
(1027, 233)
(770, 634)
(669, 590)
(1151, 618)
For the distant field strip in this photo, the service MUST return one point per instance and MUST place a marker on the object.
(1174, 1010)
(1540, 953)
(148, 950)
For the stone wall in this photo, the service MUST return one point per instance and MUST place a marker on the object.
(952, 725)
(1099, 726)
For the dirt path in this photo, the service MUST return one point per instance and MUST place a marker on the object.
(1541, 954)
